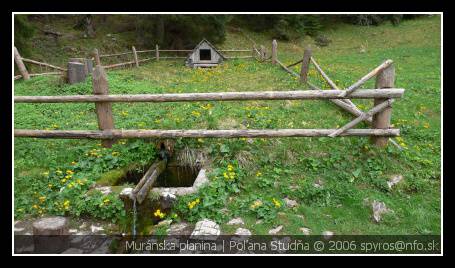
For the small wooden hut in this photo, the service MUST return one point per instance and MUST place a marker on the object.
(204, 55)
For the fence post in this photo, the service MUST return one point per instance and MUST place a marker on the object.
(103, 109)
(20, 65)
(135, 57)
(157, 52)
(385, 79)
(263, 56)
(274, 51)
(96, 57)
(305, 65)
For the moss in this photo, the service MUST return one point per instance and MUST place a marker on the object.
(111, 177)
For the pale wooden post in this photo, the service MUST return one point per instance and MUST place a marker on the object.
(274, 51)
(305, 65)
(103, 109)
(20, 65)
(263, 56)
(385, 79)
(135, 57)
(96, 57)
(157, 52)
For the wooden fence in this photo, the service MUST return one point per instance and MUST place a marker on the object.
(24, 72)
(383, 98)
(379, 116)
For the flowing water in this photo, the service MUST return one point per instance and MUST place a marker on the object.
(134, 217)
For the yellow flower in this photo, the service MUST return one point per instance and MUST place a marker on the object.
(157, 121)
(42, 199)
(230, 167)
(106, 200)
(66, 204)
(159, 214)
(276, 203)
(196, 113)
(258, 174)
(35, 206)
(45, 173)
(59, 172)
(256, 204)
(70, 185)
(73, 163)
(124, 113)
(426, 125)
(200, 140)
(63, 180)
(115, 153)
(50, 185)
(69, 172)
(225, 175)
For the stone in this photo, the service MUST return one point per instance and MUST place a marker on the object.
(103, 249)
(167, 199)
(305, 231)
(327, 234)
(290, 203)
(275, 230)
(126, 193)
(379, 208)
(96, 229)
(236, 221)
(394, 180)
(83, 225)
(206, 230)
(50, 234)
(181, 228)
(164, 223)
(105, 190)
(318, 183)
(76, 72)
(72, 231)
(73, 251)
(242, 232)
(18, 229)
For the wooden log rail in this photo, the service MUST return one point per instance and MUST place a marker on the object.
(43, 64)
(219, 96)
(199, 133)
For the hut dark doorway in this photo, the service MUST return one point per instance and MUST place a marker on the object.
(205, 54)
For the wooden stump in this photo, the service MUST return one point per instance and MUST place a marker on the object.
(76, 72)
(305, 65)
(274, 52)
(385, 79)
(50, 235)
(135, 57)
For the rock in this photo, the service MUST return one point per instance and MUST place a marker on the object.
(179, 229)
(394, 180)
(379, 208)
(327, 234)
(242, 232)
(164, 223)
(104, 248)
(83, 225)
(72, 231)
(275, 230)
(73, 251)
(167, 200)
(318, 183)
(322, 40)
(96, 229)
(236, 221)
(305, 231)
(206, 230)
(76, 72)
(18, 229)
(109, 35)
(105, 190)
(126, 193)
(50, 235)
(290, 203)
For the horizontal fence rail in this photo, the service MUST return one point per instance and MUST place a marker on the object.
(221, 96)
(199, 133)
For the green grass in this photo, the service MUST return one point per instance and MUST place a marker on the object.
(351, 168)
